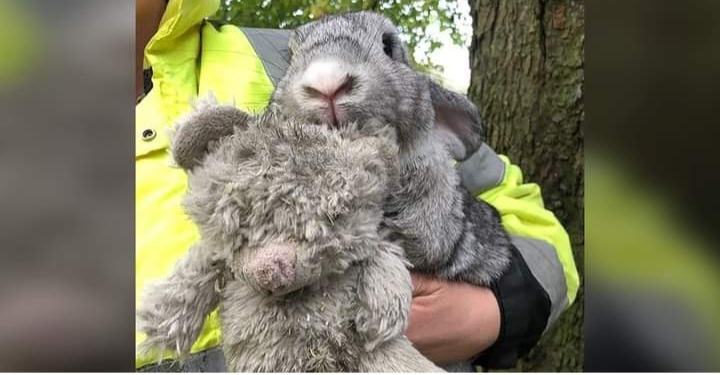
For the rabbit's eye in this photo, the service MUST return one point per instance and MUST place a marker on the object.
(388, 43)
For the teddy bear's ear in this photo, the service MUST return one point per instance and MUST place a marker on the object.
(208, 122)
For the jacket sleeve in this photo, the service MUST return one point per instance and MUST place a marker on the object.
(542, 280)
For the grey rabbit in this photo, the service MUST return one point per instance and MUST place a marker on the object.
(292, 250)
(354, 68)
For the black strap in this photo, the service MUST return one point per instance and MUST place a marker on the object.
(524, 311)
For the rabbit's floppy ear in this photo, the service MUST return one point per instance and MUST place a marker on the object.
(457, 122)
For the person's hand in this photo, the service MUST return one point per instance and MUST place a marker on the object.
(450, 321)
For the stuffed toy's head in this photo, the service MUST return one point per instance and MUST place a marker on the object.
(289, 204)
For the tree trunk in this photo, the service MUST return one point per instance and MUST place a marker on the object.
(527, 78)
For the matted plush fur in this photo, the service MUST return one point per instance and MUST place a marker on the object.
(293, 253)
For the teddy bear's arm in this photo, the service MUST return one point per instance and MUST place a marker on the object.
(385, 294)
(172, 311)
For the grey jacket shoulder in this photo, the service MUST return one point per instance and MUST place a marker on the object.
(271, 46)
(533, 293)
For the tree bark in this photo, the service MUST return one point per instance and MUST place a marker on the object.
(527, 65)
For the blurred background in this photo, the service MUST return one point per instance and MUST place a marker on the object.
(652, 261)
(636, 123)
(66, 185)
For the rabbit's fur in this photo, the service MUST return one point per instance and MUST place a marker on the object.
(291, 250)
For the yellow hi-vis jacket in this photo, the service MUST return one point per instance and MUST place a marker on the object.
(191, 58)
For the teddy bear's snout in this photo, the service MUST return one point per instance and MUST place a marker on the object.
(273, 267)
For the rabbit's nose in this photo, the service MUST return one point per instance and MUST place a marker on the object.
(331, 92)
(327, 79)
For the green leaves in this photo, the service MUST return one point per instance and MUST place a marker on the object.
(414, 18)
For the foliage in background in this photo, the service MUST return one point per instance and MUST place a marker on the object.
(412, 17)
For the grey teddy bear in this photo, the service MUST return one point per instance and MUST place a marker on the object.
(291, 250)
